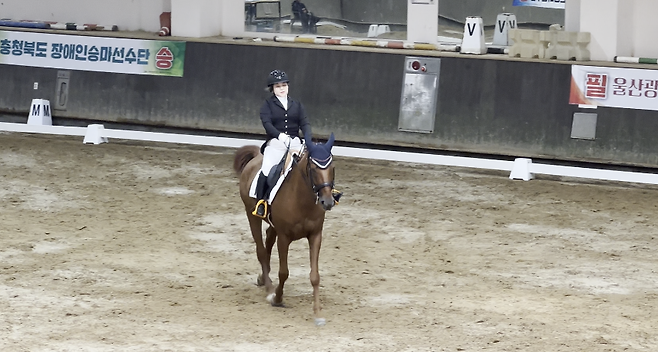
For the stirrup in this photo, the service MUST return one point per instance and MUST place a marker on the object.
(263, 203)
(336, 194)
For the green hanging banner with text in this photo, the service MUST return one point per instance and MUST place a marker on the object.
(86, 53)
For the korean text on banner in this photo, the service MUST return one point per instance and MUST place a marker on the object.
(86, 53)
(614, 87)
(551, 4)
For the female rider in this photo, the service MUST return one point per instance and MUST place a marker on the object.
(283, 118)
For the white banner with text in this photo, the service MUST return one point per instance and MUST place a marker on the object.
(614, 87)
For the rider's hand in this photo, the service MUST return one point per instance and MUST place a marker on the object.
(284, 138)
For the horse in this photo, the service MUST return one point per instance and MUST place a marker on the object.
(297, 212)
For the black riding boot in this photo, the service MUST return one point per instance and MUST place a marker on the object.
(261, 193)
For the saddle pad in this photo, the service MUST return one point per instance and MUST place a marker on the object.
(252, 189)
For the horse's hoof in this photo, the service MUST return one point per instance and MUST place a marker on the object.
(270, 298)
(320, 321)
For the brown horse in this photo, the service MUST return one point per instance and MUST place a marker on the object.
(296, 212)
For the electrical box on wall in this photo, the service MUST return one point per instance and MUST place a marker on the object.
(62, 90)
(419, 94)
(583, 126)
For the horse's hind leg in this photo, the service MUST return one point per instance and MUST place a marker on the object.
(314, 243)
(283, 244)
(255, 224)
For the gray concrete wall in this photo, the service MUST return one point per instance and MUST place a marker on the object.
(506, 107)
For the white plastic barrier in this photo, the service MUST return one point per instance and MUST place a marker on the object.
(552, 44)
(563, 45)
(372, 30)
(375, 30)
(44, 129)
(383, 29)
(520, 168)
(95, 135)
(526, 44)
(525, 169)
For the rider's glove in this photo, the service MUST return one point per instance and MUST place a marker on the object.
(284, 138)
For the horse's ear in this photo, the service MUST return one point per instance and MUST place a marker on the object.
(330, 142)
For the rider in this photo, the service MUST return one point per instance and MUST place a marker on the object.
(308, 19)
(283, 118)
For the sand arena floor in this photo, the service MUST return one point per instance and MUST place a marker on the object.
(132, 246)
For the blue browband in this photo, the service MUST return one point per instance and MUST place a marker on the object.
(323, 164)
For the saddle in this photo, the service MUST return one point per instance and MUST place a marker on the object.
(275, 176)
(279, 170)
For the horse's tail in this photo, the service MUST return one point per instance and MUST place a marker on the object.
(244, 156)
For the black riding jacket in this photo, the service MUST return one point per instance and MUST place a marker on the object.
(277, 120)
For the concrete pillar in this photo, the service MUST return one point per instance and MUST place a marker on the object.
(625, 28)
(232, 13)
(572, 16)
(423, 21)
(608, 21)
(196, 18)
(645, 28)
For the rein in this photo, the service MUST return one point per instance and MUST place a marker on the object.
(322, 164)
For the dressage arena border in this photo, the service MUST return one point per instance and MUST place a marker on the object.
(520, 168)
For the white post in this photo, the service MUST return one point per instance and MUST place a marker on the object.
(625, 29)
(610, 23)
(521, 170)
(572, 16)
(423, 21)
(95, 134)
(232, 13)
(645, 29)
(196, 18)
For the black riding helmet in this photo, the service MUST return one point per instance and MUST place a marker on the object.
(277, 76)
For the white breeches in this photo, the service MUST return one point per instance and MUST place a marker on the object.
(275, 150)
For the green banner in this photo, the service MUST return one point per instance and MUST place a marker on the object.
(86, 53)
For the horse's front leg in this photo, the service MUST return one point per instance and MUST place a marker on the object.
(314, 243)
(269, 243)
(276, 298)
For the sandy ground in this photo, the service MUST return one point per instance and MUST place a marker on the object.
(132, 246)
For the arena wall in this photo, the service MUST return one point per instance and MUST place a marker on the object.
(484, 105)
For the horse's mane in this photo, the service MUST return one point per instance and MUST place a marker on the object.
(244, 156)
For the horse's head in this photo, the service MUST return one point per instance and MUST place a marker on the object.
(321, 171)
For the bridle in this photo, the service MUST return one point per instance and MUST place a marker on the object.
(322, 164)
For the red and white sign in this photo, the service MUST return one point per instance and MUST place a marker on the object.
(614, 87)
